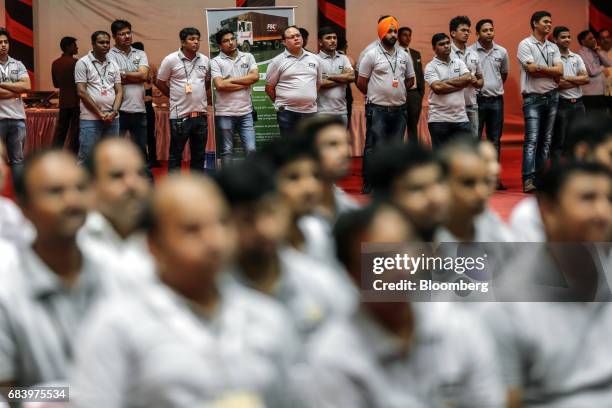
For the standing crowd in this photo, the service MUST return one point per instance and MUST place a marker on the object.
(245, 288)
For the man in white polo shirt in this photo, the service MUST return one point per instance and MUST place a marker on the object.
(495, 65)
(385, 72)
(99, 86)
(233, 72)
(134, 67)
(184, 76)
(337, 75)
(293, 79)
(447, 78)
(570, 94)
(15, 80)
(459, 28)
(540, 68)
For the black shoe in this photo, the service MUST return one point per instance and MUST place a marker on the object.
(367, 188)
(154, 163)
(529, 186)
(500, 186)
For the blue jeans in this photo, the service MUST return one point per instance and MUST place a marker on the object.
(384, 124)
(227, 125)
(288, 120)
(136, 124)
(566, 113)
(196, 131)
(540, 111)
(13, 134)
(491, 118)
(443, 132)
(472, 114)
(90, 131)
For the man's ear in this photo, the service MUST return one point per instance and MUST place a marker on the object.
(581, 151)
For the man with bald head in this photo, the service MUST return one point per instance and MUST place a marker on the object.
(56, 283)
(121, 189)
(199, 340)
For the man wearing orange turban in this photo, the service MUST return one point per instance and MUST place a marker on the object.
(385, 73)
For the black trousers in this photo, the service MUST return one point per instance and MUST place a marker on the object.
(151, 141)
(414, 104)
(595, 103)
(67, 128)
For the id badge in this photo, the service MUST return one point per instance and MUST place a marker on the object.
(104, 92)
(187, 88)
(395, 83)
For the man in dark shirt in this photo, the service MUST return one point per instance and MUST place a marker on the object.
(62, 72)
(414, 95)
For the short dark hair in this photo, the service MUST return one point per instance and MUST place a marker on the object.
(326, 30)
(394, 160)
(348, 228)
(482, 22)
(537, 16)
(592, 129)
(288, 27)
(461, 142)
(309, 128)
(304, 32)
(4, 32)
(246, 182)
(558, 30)
(402, 29)
(583, 35)
(187, 31)
(436, 38)
(554, 180)
(96, 34)
(281, 152)
(20, 174)
(67, 42)
(222, 33)
(457, 21)
(120, 25)
(138, 45)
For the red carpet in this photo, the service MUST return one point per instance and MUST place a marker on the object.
(502, 201)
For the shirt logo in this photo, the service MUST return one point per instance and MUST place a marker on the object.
(473, 61)
(311, 64)
(457, 70)
(244, 65)
(341, 67)
(202, 68)
(14, 72)
(497, 59)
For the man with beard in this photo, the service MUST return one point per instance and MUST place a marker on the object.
(413, 180)
(121, 189)
(447, 78)
(337, 75)
(98, 80)
(311, 293)
(541, 66)
(385, 72)
(44, 301)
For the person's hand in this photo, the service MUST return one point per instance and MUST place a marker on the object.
(473, 79)
(110, 116)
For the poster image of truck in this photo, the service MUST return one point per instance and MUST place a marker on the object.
(257, 31)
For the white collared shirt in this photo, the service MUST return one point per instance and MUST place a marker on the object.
(333, 100)
(530, 50)
(236, 103)
(446, 107)
(178, 72)
(494, 63)
(12, 71)
(133, 94)
(472, 61)
(100, 78)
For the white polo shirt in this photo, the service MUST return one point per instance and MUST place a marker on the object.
(133, 94)
(494, 63)
(333, 100)
(446, 107)
(295, 80)
(100, 78)
(530, 50)
(178, 71)
(236, 103)
(12, 71)
(573, 65)
(472, 61)
(383, 70)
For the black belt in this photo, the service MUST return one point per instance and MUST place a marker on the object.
(549, 93)
(193, 115)
(490, 98)
(389, 108)
(570, 100)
